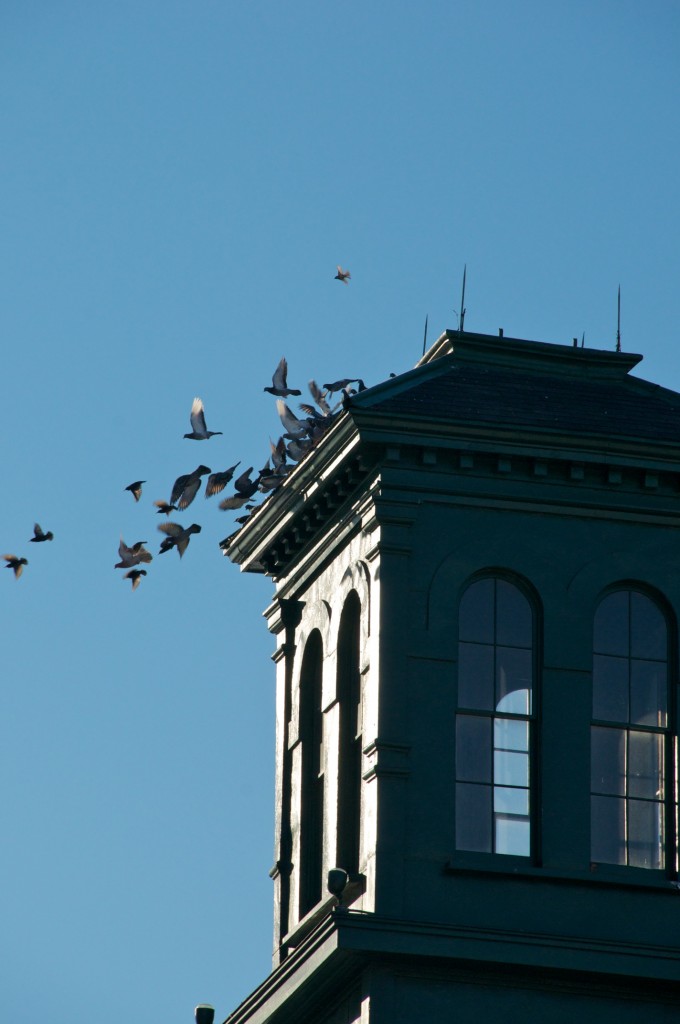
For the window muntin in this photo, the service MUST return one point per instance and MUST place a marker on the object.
(630, 739)
(493, 724)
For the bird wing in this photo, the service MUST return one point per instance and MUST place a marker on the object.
(37, 530)
(279, 380)
(171, 529)
(234, 501)
(188, 493)
(124, 551)
(177, 488)
(290, 421)
(198, 417)
(319, 397)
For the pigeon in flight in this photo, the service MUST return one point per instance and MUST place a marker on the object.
(164, 508)
(294, 427)
(218, 481)
(136, 576)
(280, 381)
(130, 557)
(185, 487)
(177, 536)
(245, 488)
(136, 489)
(319, 397)
(39, 534)
(342, 275)
(17, 564)
(199, 431)
(340, 385)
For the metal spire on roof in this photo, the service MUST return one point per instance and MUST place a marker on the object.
(461, 316)
(425, 337)
(618, 323)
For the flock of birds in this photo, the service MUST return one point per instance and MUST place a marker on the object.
(299, 436)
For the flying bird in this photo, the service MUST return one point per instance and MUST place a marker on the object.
(39, 534)
(218, 481)
(340, 385)
(135, 489)
(199, 431)
(186, 487)
(164, 508)
(342, 275)
(17, 564)
(280, 381)
(177, 536)
(130, 557)
(294, 427)
(136, 576)
(245, 488)
(319, 397)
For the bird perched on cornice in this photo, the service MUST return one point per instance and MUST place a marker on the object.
(130, 557)
(177, 536)
(218, 481)
(16, 564)
(199, 431)
(186, 487)
(40, 535)
(342, 275)
(280, 381)
(135, 489)
(135, 575)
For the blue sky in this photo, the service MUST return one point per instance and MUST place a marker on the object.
(178, 181)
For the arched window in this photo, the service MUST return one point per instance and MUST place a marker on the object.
(311, 778)
(631, 752)
(349, 752)
(494, 722)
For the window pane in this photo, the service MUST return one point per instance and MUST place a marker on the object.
(513, 676)
(507, 800)
(608, 829)
(608, 760)
(473, 749)
(648, 629)
(512, 836)
(645, 834)
(475, 616)
(475, 677)
(513, 616)
(648, 693)
(645, 765)
(473, 817)
(510, 734)
(510, 768)
(611, 625)
(610, 688)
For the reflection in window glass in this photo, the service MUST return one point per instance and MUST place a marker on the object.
(493, 725)
(629, 737)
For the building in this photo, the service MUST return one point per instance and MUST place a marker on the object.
(476, 613)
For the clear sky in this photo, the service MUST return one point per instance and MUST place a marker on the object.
(178, 181)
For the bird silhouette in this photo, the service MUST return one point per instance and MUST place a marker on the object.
(177, 536)
(136, 576)
(135, 489)
(130, 557)
(280, 381)
(164, 508)
(17, 564)
(218, 481)
(40, 535)
(185, 488)
(340, 385)
(245, 488)
(342, 275)
(199, 431)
